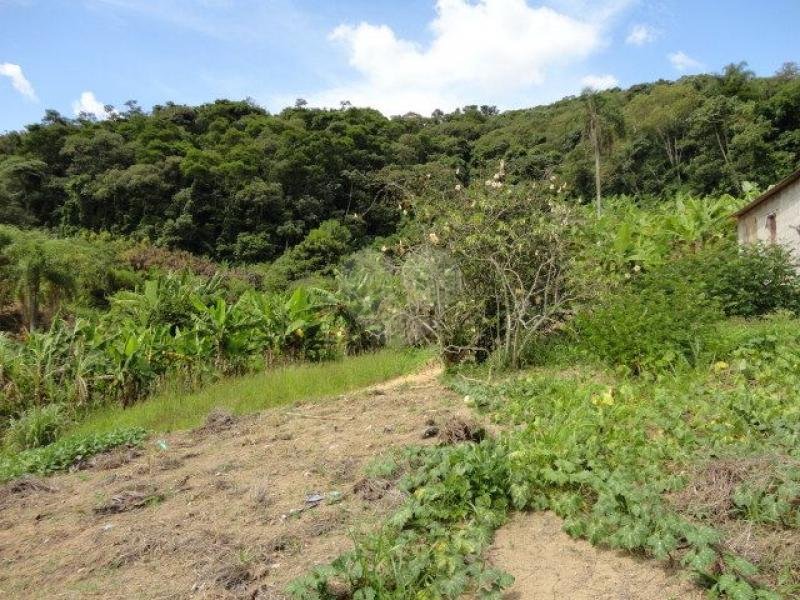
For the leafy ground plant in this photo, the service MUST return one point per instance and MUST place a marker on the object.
(432, 547)
(611, 455)
(66, 452)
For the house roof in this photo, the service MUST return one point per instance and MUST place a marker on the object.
(778, 187)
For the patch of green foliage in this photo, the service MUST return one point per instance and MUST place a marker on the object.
(66, 452)
(318, 254)
(45, 274)
(176, 408)
(432, 547)
(37, 426)
(747, 281)
(772, 500)
(386, 466)
(655, 323)
(604, 452)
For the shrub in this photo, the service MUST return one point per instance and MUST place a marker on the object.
(317, 254)
(747, 281)
(491, 273)
(755, 280)
(368, 296)
(653, 323)
(38, 426)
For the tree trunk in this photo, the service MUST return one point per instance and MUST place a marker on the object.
(598, 194)
(721, 147)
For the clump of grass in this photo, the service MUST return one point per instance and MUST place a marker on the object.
(176, 409)
(382, 467)
(36, 427)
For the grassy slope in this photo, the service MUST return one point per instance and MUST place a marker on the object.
(173, 410)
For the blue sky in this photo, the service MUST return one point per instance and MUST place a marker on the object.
(74, 55)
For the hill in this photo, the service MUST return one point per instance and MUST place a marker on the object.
(231, 181)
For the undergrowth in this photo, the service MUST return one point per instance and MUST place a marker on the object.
(178, 408)
(66, 452)
(606, 453)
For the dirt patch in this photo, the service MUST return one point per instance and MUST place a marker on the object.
(234, 521)
(23, 487)
(548, 564)
(454, 430)
(371, 490)
(217, 420)
(458, 429)
(138, 496)
(112, 459)
(709, 493)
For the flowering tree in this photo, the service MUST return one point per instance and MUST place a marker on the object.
(497, 259)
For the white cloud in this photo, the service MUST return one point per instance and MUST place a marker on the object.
(640, 35)
(18, 80)
(683, 62)
(600, 82)
(488, 50)
(89, 104)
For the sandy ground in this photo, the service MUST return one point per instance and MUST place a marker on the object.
(550, 565)
(224, 511)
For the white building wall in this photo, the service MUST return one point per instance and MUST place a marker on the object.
(753, 226)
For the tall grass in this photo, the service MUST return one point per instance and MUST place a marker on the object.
(173, 409)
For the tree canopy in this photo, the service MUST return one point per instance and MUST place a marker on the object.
(233, 182)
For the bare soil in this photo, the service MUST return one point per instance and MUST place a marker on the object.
(550, 565)
(234, 509)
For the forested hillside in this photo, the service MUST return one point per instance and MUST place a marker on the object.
(231, 181)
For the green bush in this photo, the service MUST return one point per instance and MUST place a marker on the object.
(755, 280)
(317, 254)
(37, 426)
(66, 452)
(747, 281)
(653, 323)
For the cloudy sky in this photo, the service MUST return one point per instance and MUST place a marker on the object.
(398, 56)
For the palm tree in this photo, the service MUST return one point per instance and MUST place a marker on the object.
(603, 123)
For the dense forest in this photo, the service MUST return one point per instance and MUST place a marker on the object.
(230, 181)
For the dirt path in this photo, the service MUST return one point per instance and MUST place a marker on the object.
(550, 565)
(225, 511)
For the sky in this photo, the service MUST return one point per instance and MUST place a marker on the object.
(397, 56)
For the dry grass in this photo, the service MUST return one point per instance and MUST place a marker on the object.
(708, 497)
(215, 512)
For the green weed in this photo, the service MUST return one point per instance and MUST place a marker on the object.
(66, 452)
(37, 426)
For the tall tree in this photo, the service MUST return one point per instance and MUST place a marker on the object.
(603, 122)
(664, 113)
